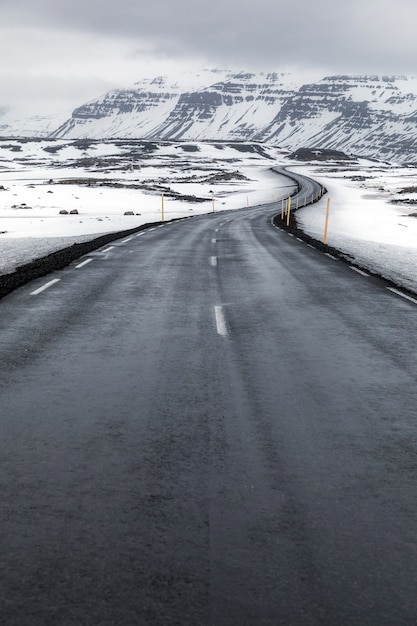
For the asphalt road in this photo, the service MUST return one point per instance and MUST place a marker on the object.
(208, 423)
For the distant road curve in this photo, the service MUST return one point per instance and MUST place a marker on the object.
(309, 190)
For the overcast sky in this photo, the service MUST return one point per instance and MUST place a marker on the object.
(67, 52)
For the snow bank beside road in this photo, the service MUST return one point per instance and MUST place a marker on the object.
(364, 223)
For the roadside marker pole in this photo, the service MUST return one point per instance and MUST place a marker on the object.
(296, 204)
(162, 209)
(327, 222)
(282, 209)
(289, 211)
(212, 202)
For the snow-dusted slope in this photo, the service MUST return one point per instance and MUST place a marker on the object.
(15, 122)
(366, 115)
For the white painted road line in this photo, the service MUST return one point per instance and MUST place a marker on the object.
(311, 246)
(217, 230)
(298, 239)
(403, 295)
(214, 241)
(220, 321)
(46, 286)
(213, 261)
(290, 234)
(127, 240)
(108, 249)
(356, 269)
(330, 256)
(77, 267)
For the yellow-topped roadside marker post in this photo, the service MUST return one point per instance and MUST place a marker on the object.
(327, 222)
(288, 210)
(162, 209)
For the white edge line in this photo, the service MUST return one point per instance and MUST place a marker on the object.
(311, 246)
(77, 267)
(127, 240)
(330, 256)
(220, 321)
(403, 295)
(356, 269)
(214, 241)
(46, 286)
(108, 249)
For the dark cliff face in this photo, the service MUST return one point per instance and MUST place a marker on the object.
(122, 101)
(367, 115)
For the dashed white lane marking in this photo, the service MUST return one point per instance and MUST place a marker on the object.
(356, 269)
(290, 234)
(330, 256)
(298, 239)
(220, 321)
(311, 246)
(46, 286)
(403, 295)
(127, 240)
(108, 249)
(217, 230)
(214, 241)
(213, 261)
(77, 267)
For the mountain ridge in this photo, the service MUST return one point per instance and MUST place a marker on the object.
(366, 115)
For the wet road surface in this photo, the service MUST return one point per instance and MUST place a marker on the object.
(208, 422)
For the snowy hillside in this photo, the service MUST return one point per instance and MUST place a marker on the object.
(371, 116)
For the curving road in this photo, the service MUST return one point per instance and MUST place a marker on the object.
(208, 422)
(307, 189)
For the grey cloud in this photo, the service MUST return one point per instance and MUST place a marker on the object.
(271, 33)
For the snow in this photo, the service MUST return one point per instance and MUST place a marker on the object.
(103, 180)
(363, 221)
(371, 216)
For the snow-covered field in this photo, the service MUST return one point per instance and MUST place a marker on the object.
(119, 185)
(372, 204)
(373, 215)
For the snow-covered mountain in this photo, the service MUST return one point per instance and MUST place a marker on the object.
(366, 115)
